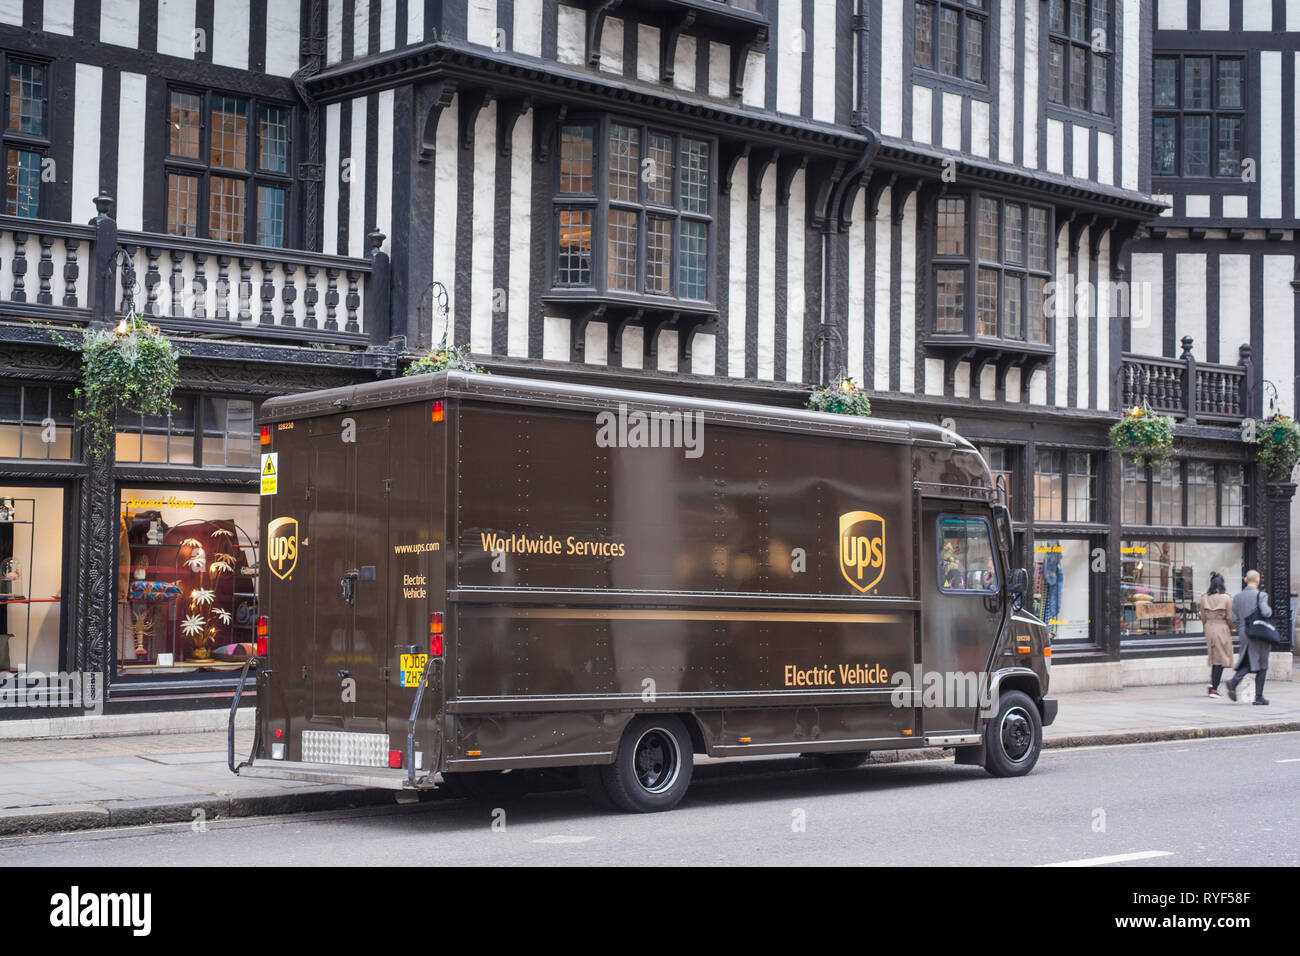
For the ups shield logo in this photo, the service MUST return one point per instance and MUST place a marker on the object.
(862, 549)
(282, 546)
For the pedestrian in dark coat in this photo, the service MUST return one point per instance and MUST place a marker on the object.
(1254, 651)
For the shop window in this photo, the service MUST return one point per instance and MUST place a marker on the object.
(1214, 493)
(1232, 495)
(1061, 589)
(1134, 494)
(1200, 493)
(228, 175)
(1162, 583)
(36, 422)
(229, 438)
(26, 135)
(158, 439)
(187, 575)
(992, 261)
(1063, 485)
(634, 211)
(966, 556)
(31, 578)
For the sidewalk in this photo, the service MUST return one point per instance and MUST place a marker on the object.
(68, 784)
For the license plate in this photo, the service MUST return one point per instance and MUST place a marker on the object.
(412, 669)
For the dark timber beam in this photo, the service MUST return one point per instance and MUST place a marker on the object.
(596, 17)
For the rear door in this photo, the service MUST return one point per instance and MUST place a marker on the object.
(346, 538)
(961, 593)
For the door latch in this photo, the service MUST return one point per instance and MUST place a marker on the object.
(346, 585)
(344, 674)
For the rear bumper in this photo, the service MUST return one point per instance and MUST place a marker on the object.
(380, 778)
(1049, 705)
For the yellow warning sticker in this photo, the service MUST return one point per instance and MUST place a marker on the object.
(270, 472)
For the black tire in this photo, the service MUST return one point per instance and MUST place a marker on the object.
(1013, 739)
(653, 767)
(840, 760)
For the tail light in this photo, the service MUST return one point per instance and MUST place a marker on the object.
(438, 413)
(266, 435)
(395, 759)
(435, 634)
(259, 645)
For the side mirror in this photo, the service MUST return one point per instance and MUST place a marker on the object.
(1018, 583)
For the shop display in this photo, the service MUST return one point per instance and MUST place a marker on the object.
(192, 597)
(1161, 583)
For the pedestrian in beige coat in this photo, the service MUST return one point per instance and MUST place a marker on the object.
(1216, 616)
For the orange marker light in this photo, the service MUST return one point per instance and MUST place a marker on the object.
(1047, 652)
(473, 753)
(438, 414)
(907, 733)
(1023, 650)
(266, 435)
(746, 740)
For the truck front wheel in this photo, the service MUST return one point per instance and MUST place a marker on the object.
(1013, 739)
(653, 767)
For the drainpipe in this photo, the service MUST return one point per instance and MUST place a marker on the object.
(840, 207)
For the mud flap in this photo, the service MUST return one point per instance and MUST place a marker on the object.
(972, 756)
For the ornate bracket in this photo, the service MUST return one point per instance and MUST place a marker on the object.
(596, 27)
(616, 328)
(546, 137)
(758, 167)
(740, 51)
(732, 154)
(668, 47)
(650, 342)
(432, 99)
(471, 104)
(509, 110)
(578, 331)
(786, 170)
(875, 189)
(902, 190)
(822, 188)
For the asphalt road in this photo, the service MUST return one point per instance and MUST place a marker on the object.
(1169, 804)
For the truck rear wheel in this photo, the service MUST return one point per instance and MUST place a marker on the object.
(1013, 739)
(653, 767)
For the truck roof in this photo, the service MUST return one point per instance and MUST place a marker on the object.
(543, 392)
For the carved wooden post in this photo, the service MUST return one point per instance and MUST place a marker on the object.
(377, 318)
(1189, 381)
(1251, 404)
(103, 281)
(1278, 578)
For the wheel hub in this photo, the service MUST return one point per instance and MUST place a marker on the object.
(657, 761)
(1017, 734)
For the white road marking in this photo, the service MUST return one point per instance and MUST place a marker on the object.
(564, 838)
(1289, 760)
(1118, 858)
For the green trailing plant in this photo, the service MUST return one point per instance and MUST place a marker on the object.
(845, 397)
(1277, 446)
(1144, 435)
(442, 358)
(133, 366)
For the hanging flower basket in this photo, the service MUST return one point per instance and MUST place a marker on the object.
(133, 366)
(442, 358)
(844, 398)
(1277, 446)
(1144, 435)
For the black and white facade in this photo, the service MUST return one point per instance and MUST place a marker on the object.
(997, 214)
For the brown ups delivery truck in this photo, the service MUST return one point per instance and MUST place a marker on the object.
(465, 574)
